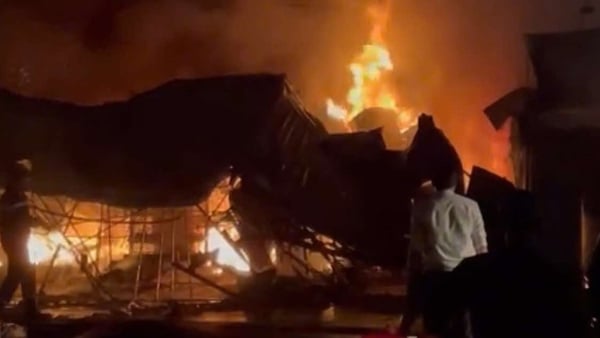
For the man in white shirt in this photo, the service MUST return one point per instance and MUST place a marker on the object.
(446, 228)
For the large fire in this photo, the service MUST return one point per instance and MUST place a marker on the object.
(226, 254)
(370, 86)
(109, 240)
(42, 247)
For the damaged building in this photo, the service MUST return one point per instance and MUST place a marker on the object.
(554, 139)
(142, 191)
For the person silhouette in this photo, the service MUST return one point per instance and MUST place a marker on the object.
(15, 229)
(514, 291)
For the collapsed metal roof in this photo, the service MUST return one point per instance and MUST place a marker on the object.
(168, 146)
(172, 145)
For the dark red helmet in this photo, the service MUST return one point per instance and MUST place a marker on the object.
(18, 170)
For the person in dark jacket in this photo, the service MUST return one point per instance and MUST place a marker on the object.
(514, 292)
(15, 228)
(593, 292)
(414, 293)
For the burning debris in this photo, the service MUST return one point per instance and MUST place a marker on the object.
(284, 179)
(282, 195)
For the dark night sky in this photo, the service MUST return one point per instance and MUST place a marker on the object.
(453, 57)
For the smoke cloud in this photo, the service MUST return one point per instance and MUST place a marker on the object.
(452, 57)
(99, 51)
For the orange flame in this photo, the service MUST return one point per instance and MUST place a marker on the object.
(226, 254)
(42, 247)
(370, 87)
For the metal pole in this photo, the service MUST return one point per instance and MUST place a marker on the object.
(189, 247)
(99, 237)
(140, 262)
(131, 232)
(160, 264)
(173, 259)
(110, 225)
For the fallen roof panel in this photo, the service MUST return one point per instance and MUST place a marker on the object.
(168, 146)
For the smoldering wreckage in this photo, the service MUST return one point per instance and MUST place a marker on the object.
(223, 194)
(152, 160)
(205, 188)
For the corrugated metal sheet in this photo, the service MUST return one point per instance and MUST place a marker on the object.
(168, 146)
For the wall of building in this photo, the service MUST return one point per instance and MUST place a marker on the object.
(563, 176)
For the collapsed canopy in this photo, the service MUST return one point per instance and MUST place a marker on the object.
(168, 146)
(172, 145)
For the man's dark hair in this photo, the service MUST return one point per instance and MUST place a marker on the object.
(445, 178)
(17, 171)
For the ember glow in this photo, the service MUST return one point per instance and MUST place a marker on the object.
(370, 87)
